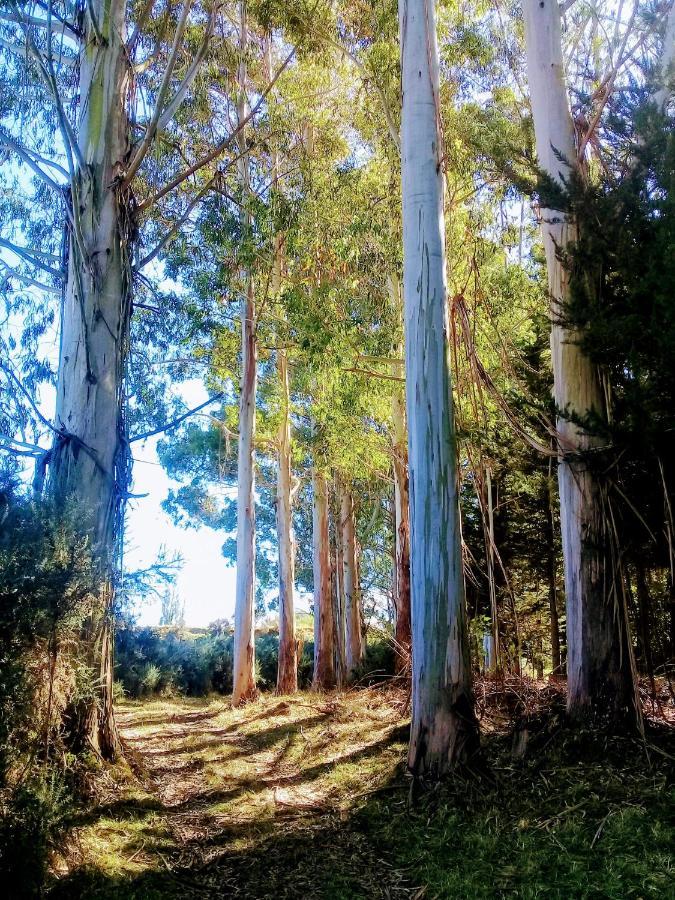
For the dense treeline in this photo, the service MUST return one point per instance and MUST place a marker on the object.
(420, 256)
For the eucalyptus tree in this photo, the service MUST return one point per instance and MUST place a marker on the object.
(444, 730)
(243, 677)
(600, 667)
(324, 676)
(114, 163)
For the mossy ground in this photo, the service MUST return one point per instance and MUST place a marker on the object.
(307, 797)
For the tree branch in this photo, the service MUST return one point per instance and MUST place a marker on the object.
(21, 50)
(173, 231)
(28, 397)
(12, 273)
(31, 158)
(60, 26)
(223, 145)
(26, 449)
(179, 96)
(28, 257)
(174, 422)
(151, 130)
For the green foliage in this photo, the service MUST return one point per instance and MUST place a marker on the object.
(33, 818)
(46, 582)
(196, 662)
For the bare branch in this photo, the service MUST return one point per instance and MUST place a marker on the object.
(29, 257)
(10, 374)
(21, 50)
(223, 145)
(172, 424)
(12, 445)
(12, 273)
(151, 130)
(31, 158)
(179, 96)
(59, 26)
(173, 231)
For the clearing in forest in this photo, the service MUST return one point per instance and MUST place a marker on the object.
(306, 797)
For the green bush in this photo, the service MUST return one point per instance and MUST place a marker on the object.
(159, 661)
(46, 585)
(32, 817)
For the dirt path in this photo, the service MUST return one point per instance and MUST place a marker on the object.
(256, 803)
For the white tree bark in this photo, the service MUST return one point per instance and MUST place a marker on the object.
(351, 591)
(443, 729)
(90, 460)
(287, 671)
(324, 662)
(663, 94)
(599, 655)
(244, 611)
(287, 676)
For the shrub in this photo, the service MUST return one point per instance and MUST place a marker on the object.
(33, 816)
(46, 585)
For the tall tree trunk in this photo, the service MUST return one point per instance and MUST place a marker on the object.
(287, 675)
(244, 610)
(287, 671)
(402, 633)
(354, 649)
(444, 729)
(339, 622)
(90, 461)
(324, 662)
(599, 654)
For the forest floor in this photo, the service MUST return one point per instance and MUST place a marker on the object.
(307, 797)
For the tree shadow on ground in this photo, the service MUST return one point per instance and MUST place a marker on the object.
(304, 854)
(577, 815)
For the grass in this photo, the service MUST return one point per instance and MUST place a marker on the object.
(307, 797)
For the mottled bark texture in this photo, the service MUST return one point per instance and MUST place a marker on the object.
(600, 667)
(443, 730)
(90, 461)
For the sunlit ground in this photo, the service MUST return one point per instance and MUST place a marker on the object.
(307, 797)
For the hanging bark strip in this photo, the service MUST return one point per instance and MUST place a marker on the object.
(244, 687)
(399, 446)
(443, 730)
(600, 667)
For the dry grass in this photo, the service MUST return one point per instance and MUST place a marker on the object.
(215, 784)
(306, 797)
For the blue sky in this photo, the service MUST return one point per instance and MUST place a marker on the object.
(205, 582)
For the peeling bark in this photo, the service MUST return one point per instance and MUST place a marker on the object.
(90, 460)
(324, 663)
(600, 664)
(443, 729)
